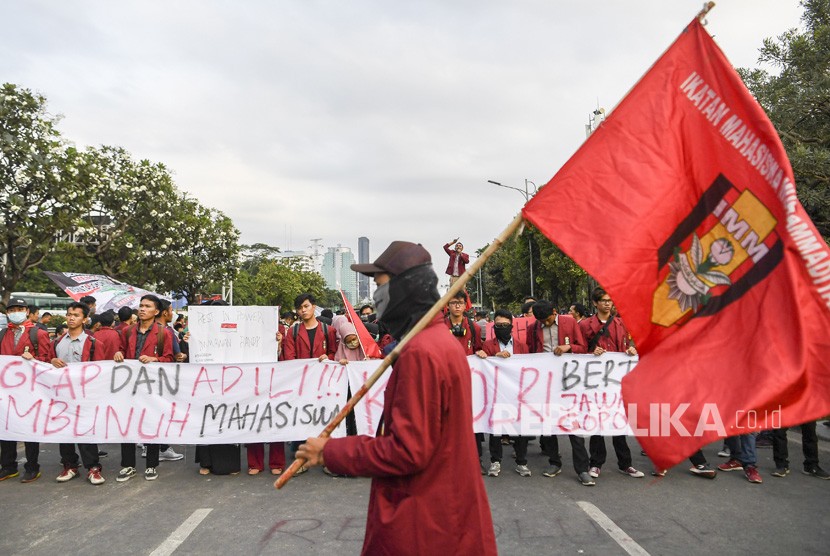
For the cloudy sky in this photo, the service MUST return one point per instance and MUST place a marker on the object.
(328, 119)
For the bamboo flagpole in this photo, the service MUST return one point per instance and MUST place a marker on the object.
(515, 225)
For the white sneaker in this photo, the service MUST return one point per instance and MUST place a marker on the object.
(594, 472)
(125, 474)
(631, 472)
(151, 474)
(725, 453)
(523, 470)
(170, 455)
(495, 469)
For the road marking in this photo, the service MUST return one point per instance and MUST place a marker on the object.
(178, 536)
(620, 537)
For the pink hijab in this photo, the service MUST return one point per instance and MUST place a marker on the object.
(345, 328)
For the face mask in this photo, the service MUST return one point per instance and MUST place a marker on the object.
(503, 334)
(353, 345)
(381, 299)
(17, 317)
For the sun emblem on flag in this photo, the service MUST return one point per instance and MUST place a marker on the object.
(691, 275)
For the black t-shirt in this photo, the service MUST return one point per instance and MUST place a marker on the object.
(311, 333)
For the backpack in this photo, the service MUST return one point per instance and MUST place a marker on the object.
(32, 337)
(295, 328)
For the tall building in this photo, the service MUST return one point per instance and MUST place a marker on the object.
(362, 279)
(337, 272)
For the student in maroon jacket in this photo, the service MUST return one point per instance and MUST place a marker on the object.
(427, 496)
(107, 338)
(604, 332)
(503, 345)
(142, 342)
(558, 334)
(74, 347)
(458, 260)
(462, 327)
(17, 341)
(300, 337)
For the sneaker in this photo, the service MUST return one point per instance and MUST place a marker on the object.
(102, 454)
(731, 465)
(94, 476)
(495, 469)
(151, 474)
(586, 479)
(725, 453)
(301, 470)
(30, 476)
(752, 474)
(631, 472)
(817, 472)
(781, 472)
(8, 474)
(170, 455)
(594, 472)
(523, 470)
(125, 474)
(703, 470)
(67, 474)
(552, 471)
(659, 472)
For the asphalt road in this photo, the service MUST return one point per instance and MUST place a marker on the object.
(185, 513)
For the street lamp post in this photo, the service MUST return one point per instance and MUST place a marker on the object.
(527, 195)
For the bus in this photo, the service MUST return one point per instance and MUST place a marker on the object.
(44, 301)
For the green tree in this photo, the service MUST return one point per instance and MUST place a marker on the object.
(797, 101)
(45, 185)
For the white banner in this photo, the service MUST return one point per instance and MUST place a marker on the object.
(235, 333)
(529, 395)
(168, 403)
(291, 400)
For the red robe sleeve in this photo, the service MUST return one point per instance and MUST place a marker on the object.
(406, 446)
(289, 346)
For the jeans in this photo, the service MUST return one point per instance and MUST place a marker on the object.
(743, 449)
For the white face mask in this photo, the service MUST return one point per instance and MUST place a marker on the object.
(381, 299)
(17, 317)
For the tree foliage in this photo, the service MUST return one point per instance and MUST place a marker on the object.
(99, 211)
(264, 279)
(797, 101)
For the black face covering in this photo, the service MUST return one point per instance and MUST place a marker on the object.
(411, 295)
(503, 334)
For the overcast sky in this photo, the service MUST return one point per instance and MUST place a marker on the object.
(335, 119)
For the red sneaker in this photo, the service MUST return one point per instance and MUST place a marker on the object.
(752, 474)
(67, 474)
(731, 465)
(94, 476)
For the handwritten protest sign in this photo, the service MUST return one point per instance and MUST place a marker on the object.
(233, 333)
(291, 400)
(529, 395)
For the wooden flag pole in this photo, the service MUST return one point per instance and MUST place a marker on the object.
(516, 224)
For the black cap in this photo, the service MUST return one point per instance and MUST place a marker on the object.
(399, 257)
(16, 302)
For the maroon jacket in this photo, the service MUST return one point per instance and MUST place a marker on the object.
(616, 339)
(471, 340)
(463, 260)
(107, 341)
(150, 346)
(568, 328)
(427, 494)
(300, 347)
(492, 347)
(45, 350)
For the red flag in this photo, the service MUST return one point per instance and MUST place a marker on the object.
(695, 230)
(369, 345)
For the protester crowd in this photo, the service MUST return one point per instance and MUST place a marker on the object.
(150, 334)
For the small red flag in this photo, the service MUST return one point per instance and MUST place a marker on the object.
(369, 345)
(693, 225)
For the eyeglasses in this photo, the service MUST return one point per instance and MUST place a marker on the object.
(456, 303)
(604, 301)
(502, 325)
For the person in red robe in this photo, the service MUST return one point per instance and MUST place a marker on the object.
(458, 260)
(427, 495)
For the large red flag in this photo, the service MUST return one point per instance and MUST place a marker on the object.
(696, 231)
(369, 345)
